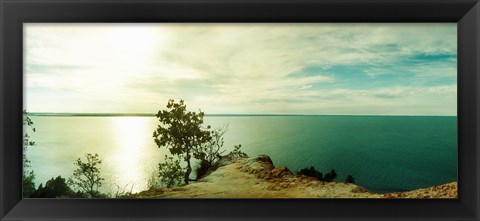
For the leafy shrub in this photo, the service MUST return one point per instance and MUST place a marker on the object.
(28, 183)
(170, 172)
(236, 152)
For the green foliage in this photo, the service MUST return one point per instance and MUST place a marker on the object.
(87, 176)
(54, 188)
(181, 132)
(28, 176)
(311, 172)
(170, 172)
(28, 183)
(236, 152)
(350, 179)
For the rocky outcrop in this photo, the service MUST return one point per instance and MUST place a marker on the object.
(257, 177)
(448, 190)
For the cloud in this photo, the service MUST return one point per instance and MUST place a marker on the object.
(243, 68)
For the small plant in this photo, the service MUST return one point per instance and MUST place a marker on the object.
(236, 152)
(87, 176)
(350, 179)
(170, 172)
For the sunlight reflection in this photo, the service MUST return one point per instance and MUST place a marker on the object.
(132, 136)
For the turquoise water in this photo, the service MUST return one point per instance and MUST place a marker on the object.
(383, 153)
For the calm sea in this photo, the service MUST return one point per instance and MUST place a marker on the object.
(383, 153)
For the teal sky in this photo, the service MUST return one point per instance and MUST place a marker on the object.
(377, 69)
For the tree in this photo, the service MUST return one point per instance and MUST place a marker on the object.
(28, 176)
(182, 133)
(350, 179)
(87, 176)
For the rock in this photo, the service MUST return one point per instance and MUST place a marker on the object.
(264, 158)
(226, 160)
(280, 172)
(359, 189)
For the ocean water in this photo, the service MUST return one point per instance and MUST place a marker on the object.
(383, 153)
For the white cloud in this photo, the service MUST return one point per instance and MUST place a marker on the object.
(228, 68)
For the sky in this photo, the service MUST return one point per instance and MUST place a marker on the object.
(339, 69)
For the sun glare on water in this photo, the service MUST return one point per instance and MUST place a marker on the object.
(129, 166)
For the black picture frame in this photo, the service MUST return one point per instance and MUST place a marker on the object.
(466, 13)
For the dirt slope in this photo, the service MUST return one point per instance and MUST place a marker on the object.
(258, 178)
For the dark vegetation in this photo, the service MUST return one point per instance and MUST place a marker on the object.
(350, 179)
(328, 177)
(311, 172)
(203, 168)
(84, 183)
(57, 188)
(170, 172)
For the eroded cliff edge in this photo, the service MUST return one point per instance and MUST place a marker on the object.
(257, 177)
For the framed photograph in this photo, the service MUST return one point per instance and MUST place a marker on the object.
(240, 110)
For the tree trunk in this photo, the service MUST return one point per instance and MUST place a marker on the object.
(189, 167)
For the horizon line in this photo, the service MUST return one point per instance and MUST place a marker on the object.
(214, 115)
